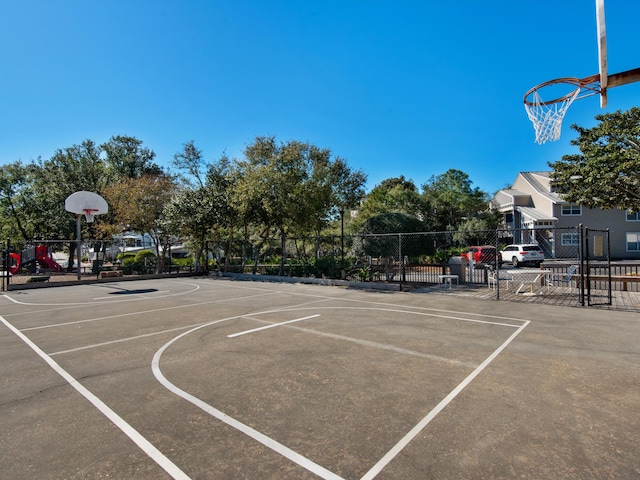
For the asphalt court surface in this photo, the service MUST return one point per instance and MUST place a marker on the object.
(212, 378)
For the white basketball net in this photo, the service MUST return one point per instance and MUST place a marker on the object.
(547, 118)
(89, 214)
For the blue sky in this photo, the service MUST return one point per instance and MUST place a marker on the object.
(398, 87)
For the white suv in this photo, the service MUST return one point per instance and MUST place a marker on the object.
(522, 253)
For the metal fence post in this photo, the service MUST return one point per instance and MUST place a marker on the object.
(581, 254)
(403, 278)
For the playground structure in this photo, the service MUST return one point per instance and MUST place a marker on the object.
(33, 256)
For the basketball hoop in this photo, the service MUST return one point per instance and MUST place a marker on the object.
(88, 204)
(547, 115)
(89, 213)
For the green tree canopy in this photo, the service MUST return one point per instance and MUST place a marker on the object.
(606, 174)
(293, 187)
(69, 170)
(193, 214)
(453, 200)
(190, 163)
(15, 198)
(393, 195)
(127, 158)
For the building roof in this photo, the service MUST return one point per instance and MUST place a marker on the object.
(536, 215)
(541, 183)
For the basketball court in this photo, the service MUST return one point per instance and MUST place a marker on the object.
(214, 378)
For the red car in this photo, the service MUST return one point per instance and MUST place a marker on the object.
(481, 254)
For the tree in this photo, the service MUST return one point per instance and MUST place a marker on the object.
(292, 188)
(221, 179)
(606, 174)
(15, 180)
(79, 167)
(393, 195)
(217, 180)
(190, 161)
(137, 205)
(453, 200)
(192, 214)
(126, 158)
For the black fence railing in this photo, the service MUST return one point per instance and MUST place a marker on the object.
(415, 260)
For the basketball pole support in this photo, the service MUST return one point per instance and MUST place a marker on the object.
(623, 78)
(78, 244)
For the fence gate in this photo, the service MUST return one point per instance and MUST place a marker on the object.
(597, 267)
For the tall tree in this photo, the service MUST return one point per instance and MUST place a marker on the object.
(453, 200)
(138, 204)
(15, 197)
(292, 188)
(192, 214)
(216, 180)
(127, 158)
(190, 161)
(392, 195)
(79, 167)
(606, 174)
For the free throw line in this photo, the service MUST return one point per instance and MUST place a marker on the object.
(233, 335)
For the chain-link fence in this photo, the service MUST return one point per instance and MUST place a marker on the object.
(550, 265)
(57, 260)
(480, 261)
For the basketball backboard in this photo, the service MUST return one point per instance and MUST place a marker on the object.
(86, 203)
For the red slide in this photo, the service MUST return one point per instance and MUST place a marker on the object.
(14, 263)
(50, 263)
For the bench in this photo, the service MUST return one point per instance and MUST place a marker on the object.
(38, 278)
(624, 279)
(447, 279)
(110, 273)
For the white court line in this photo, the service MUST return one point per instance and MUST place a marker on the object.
(144, 444)
(398, 447)
(286, 451)
(271, 325)
(369, 343)
(411, 312)
(111, 300)
(232, 422)
(353, 300)
(154, 310)
(297, 458)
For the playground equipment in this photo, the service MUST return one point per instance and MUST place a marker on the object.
(33, 256)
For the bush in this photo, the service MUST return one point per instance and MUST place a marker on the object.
(182, 262)
(145, 255)
(140, 263)
(327, 267)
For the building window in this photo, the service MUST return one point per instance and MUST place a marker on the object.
(570, 209)
(570, 239)
(633, 217)
(633, 242)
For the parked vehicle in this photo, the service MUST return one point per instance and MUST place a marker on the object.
(522, 253)
(483, 254)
